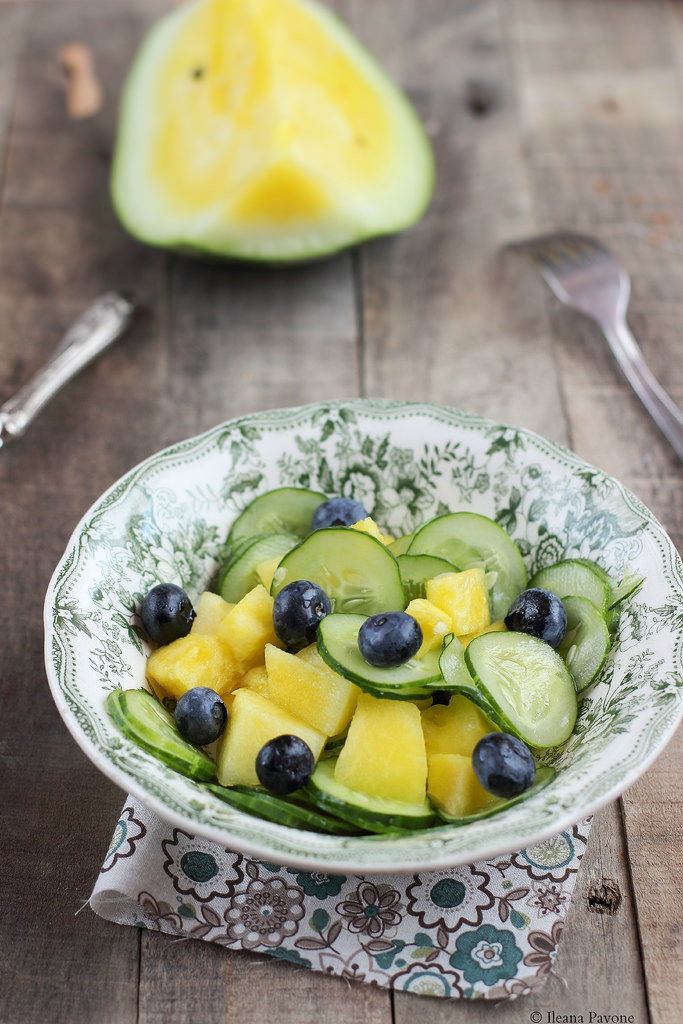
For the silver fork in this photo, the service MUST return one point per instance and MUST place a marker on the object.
(584, 275)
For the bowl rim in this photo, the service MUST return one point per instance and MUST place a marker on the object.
(434, 843)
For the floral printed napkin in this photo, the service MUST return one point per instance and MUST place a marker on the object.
(487, 930)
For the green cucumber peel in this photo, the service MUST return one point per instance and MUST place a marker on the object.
(357, 572)
(456, 675)
(586, 642)
(370, 813)
(282, 510)
(240, 575)
(142, 718)
(338, 647)
(259, 802)
(417, 569)
(471, 540)
(527, 685)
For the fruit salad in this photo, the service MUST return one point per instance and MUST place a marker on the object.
(337, 679)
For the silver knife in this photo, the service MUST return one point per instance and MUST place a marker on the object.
(89, 335)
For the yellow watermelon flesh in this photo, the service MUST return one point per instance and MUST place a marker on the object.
(262, 130)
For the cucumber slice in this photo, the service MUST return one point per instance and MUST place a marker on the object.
(266, 805)
(401, 544)
(356, 571)
(417, 569)
(629, 586)
(240, 575)
(586, 642)
(338, 646)
(142, 719)
(335, 743)
(283, 510)
(456, 675)
(544, 775)
(618, 591)
(468, 539)
(366, 812)
(527, 685)
(576, 577)
(232, 553)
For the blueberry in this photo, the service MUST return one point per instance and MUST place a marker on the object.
(338, 512)
(540, 613)
(503, 764)
(389, 638)
(284, 764)
(200, 715)
(166, 613)
(297, 611)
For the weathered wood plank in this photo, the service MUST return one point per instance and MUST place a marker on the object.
(434, 296)
(246, 988)
(244, 339)
(58, 249)
(12, 21)
(542, 112)
(250, 338)
(470, 335)
(604, 163)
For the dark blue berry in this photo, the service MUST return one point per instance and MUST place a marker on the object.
(200, 715)
(338, 512)
(503, 764)
(540, 613)
(390, 638)
(284, 764)
(166, 613)
(297, 612)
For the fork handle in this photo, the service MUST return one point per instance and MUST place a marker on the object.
(658, 403)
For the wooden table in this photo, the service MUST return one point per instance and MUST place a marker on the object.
(543, 113)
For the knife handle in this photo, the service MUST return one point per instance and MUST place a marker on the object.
(89, 335)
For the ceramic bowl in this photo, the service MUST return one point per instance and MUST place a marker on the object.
(167, 519)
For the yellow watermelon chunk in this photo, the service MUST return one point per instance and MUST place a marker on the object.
(464, 597)
(384, 753)
(252, 721)
(211, 610)
(248, 627)
(263, 130)
(192, 660)
(454, 728)
(307, 687)
(453, 787)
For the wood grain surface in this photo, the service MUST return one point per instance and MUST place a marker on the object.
(543, 114)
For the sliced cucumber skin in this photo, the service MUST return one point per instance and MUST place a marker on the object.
(240, 575)
(468, 539)
(377, 816)
(401, 544)
(629, 586)
(282, 510)
(544, 775)
(266, 805)
(232, 553)
(417, 569)
(143, 720)
(576, 577)
(592, 643)
(325, 555)
(484, 657)
(338, 647)
(457, 677)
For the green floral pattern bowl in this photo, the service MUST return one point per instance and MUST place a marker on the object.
(167, 520)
